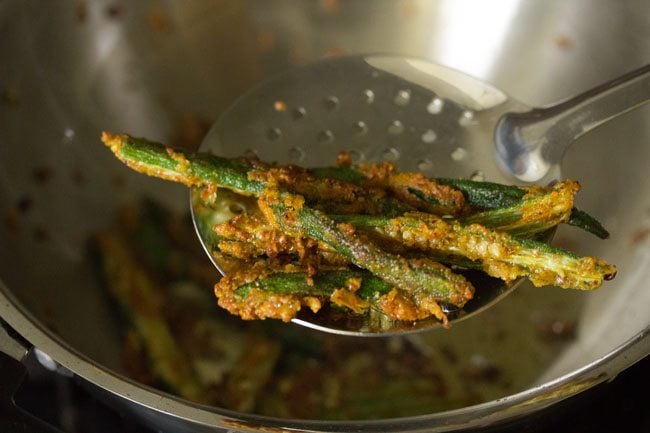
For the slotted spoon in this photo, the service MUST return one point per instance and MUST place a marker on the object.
(423, 116)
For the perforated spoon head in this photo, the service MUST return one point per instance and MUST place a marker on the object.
(422, 116)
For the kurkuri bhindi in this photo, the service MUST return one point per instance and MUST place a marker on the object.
(368, 236)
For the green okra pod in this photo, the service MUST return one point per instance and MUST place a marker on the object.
(499, 254)
(424, 277)
(322, 284)
(483, 195)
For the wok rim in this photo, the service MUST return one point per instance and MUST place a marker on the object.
(480, 415)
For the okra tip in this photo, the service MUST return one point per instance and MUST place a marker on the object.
(114, 142)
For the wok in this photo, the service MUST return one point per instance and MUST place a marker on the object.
(72, 69)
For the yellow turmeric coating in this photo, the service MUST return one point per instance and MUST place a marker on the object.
(347, 298)
(500, 255)
(295, 205)
(258, 304)
(399, 306)
(433, 197)
(331, 195)
(556, 206)
(446, 200)
(181, 173)
(263, 238)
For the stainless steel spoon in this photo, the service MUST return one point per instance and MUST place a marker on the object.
(423, 116)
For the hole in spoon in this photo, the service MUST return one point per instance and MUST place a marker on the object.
(402, 98)
(396, 127)
(325, 136)
(459, 154)
(429, 136)
(356, 156)
(360, 128)
(330, 103)
(68, 135)
(390, 154)
(369, 96)
(299, 113)
(435, 106)
(425, 165)
(296, 154)
(273, 134)
(477, 176)
(466, 118)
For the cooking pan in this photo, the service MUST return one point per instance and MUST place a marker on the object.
(72, 69)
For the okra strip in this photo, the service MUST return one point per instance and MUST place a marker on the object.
(416, 277)
(139, 299)
(196, 169)
(413, 189)
(262, 291)
(251, 238)
(179, 165)
(489, 195)
(419, 278)
(531, 215)
(325, 283)
(478, 194)
(583, 220)
(501, 255)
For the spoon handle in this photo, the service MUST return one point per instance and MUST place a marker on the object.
(531, 144)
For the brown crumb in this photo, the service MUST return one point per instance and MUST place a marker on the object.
(640, 235)
(563, 42)
(159, 21)
(114, 11)
(24, 204)
(333, 52)
(343, 159)
(81, 11)
(79, 177)
(41, 234)
(12, 222)
(266, 40)
(42, 174)
(332, 7)
(409, 9)
(10, 96)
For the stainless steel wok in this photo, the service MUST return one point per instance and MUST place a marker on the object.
(71, 69)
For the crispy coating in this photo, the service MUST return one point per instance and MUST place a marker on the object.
(258, 304)
(347, 298)
(262, 238)
(400, 306)
(298, 217)
(332, 195)
(500, 254)
(414, 189)
(431, 197)
(181, 173)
